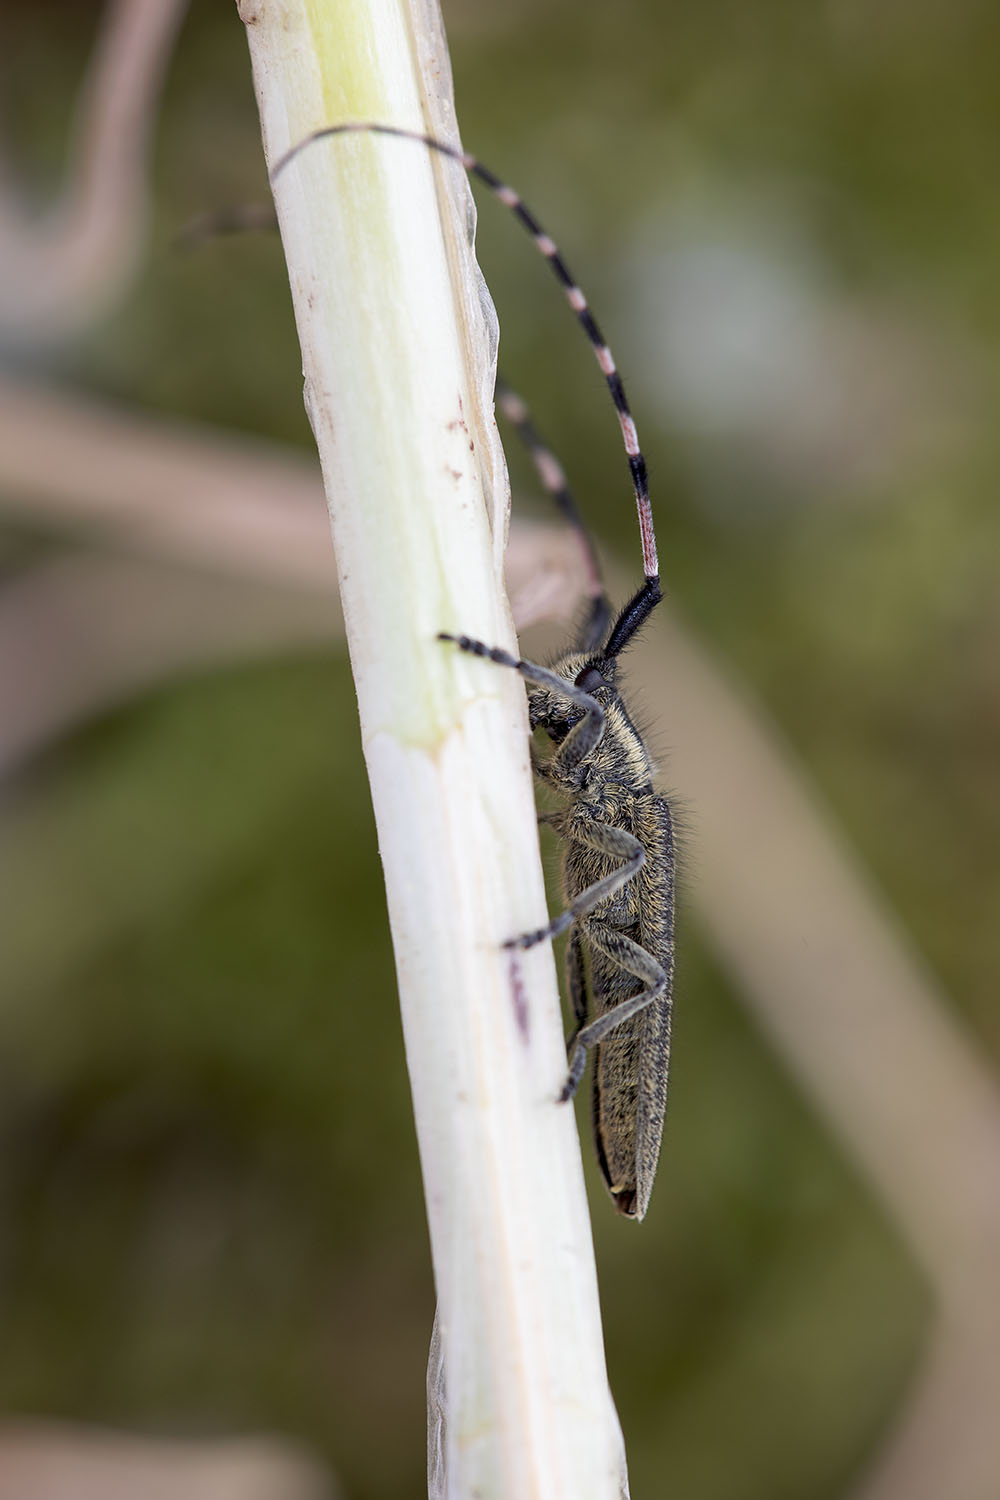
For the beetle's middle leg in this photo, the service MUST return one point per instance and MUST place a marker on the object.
(616, 843)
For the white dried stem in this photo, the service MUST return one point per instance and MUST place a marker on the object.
(397, 355)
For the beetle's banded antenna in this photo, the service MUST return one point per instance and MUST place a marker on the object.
(649, 595)
(550, 472)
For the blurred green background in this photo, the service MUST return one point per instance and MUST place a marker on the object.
(787, 216)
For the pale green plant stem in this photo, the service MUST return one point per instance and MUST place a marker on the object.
(397, 355)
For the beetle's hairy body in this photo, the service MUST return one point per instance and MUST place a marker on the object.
(621, 947)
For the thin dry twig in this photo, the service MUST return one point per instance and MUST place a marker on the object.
(227, 505)
(60, 273)
(210, 547)
(56, 1460)
(82, 633)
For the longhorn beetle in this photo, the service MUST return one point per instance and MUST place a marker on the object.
(618, 862)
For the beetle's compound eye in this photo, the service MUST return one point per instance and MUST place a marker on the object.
(559, 727)
(590, 680)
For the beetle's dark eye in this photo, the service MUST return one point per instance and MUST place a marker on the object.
(558, 729)
(590, 680)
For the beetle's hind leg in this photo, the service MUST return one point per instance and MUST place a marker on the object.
(633, 959)
(576, 985)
